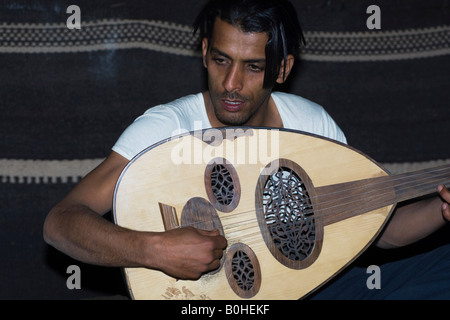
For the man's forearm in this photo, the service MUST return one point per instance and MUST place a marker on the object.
(87, 236)
(412, 222)
(184, 253)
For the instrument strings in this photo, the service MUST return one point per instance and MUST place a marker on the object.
(422, 182)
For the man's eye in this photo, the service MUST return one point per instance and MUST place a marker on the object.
(255, 68)
(219, 60)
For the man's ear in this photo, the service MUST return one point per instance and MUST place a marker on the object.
(284, 72)
(204, 51)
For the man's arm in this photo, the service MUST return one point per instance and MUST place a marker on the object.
(417, 220)
(76, 227)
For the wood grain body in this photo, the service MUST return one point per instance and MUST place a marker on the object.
(157, 176)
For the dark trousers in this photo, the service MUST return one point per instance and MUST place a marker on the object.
(405, 276)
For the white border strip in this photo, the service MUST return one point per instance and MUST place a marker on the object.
(426, 42)
(99, 47)
(378, 33)
(50, 171)
(378, 57)
(103, 22)
(45, 171)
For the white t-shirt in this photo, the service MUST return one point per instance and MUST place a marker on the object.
(189, 114)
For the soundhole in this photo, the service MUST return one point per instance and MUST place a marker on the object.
(286, 214)
(200, 214)
(222, 185)
(243, 271)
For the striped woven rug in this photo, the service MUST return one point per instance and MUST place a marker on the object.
(67, 94)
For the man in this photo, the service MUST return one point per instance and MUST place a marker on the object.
(248, 47)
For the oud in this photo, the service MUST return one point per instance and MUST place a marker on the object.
(292, 221)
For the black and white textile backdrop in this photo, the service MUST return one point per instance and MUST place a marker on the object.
(66, 94)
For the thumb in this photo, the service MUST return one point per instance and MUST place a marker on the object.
(445, 197)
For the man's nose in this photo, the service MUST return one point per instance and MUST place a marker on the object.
(233, 80)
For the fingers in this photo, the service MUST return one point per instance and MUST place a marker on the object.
(217, 243)
(445, 196)
(220, 241)
(192, 252)
(444, 193)
(446, 211)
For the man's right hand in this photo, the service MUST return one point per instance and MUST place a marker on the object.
(75, 227)
(187, 253)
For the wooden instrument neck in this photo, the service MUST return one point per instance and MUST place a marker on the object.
(341, 201)
(415, 184)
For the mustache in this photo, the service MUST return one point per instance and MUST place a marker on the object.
(232, 96)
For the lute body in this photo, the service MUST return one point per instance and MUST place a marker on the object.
(295, 208)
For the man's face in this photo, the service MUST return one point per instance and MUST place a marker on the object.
(235, 62)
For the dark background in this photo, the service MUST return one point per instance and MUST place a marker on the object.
(74, 103)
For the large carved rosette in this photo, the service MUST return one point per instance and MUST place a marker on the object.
(285, 212)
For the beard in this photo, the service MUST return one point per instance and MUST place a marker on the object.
(233, 119)
(228, 118)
